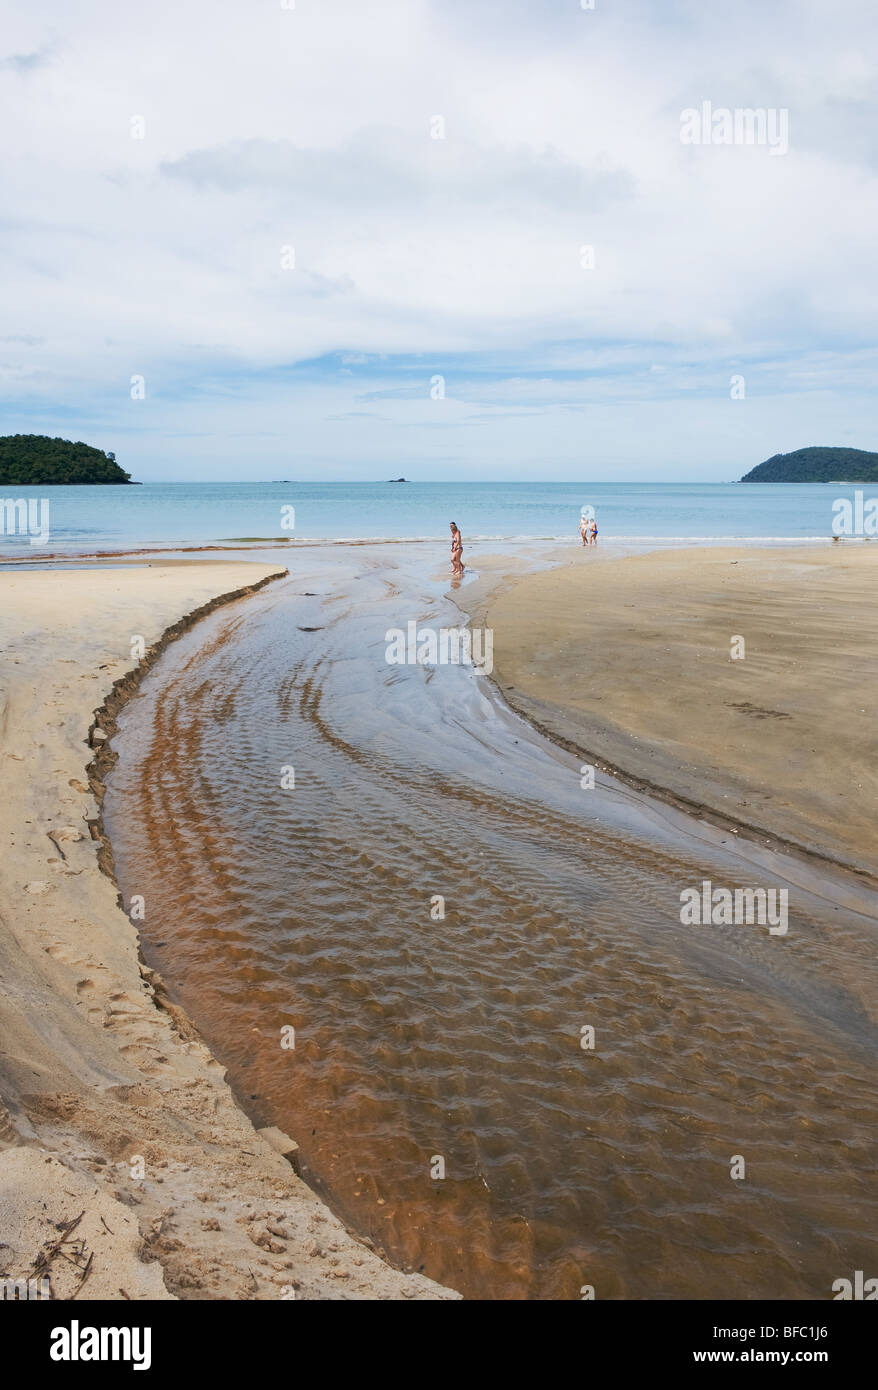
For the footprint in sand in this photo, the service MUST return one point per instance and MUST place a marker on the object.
(61, 952)
(117, 1001)
(84, 988)
(147, 1058)
(67, 832)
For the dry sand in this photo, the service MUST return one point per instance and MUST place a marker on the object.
(97, 1068)
(628, 662)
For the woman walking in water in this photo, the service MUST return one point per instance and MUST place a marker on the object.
(457, 565)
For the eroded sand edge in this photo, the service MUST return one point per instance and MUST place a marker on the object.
(98, 1071)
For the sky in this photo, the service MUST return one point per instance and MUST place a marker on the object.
(335, 239)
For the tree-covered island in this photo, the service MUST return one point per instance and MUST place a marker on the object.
(35, 460)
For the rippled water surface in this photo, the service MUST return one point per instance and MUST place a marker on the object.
(418, 1039)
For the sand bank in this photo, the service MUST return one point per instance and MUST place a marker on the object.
(629, 661)
(100, 1076)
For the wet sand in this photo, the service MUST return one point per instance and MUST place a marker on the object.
(458, 1037)
(629, 662)
(98, 1069)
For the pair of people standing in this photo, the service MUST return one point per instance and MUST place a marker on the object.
(588, 530)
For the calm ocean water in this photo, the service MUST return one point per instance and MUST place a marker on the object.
(161, 514)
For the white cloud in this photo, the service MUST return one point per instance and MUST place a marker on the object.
(267, 128)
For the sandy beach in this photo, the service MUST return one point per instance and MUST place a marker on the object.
(628, 662)
(101, 1078)
(120, 1134)
(312, 908)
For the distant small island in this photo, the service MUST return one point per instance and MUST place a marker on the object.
(35, 460)
(396, 480)
(817, 465)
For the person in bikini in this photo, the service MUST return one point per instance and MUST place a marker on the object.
(457, 565)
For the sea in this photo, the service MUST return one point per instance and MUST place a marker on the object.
(85, 519)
